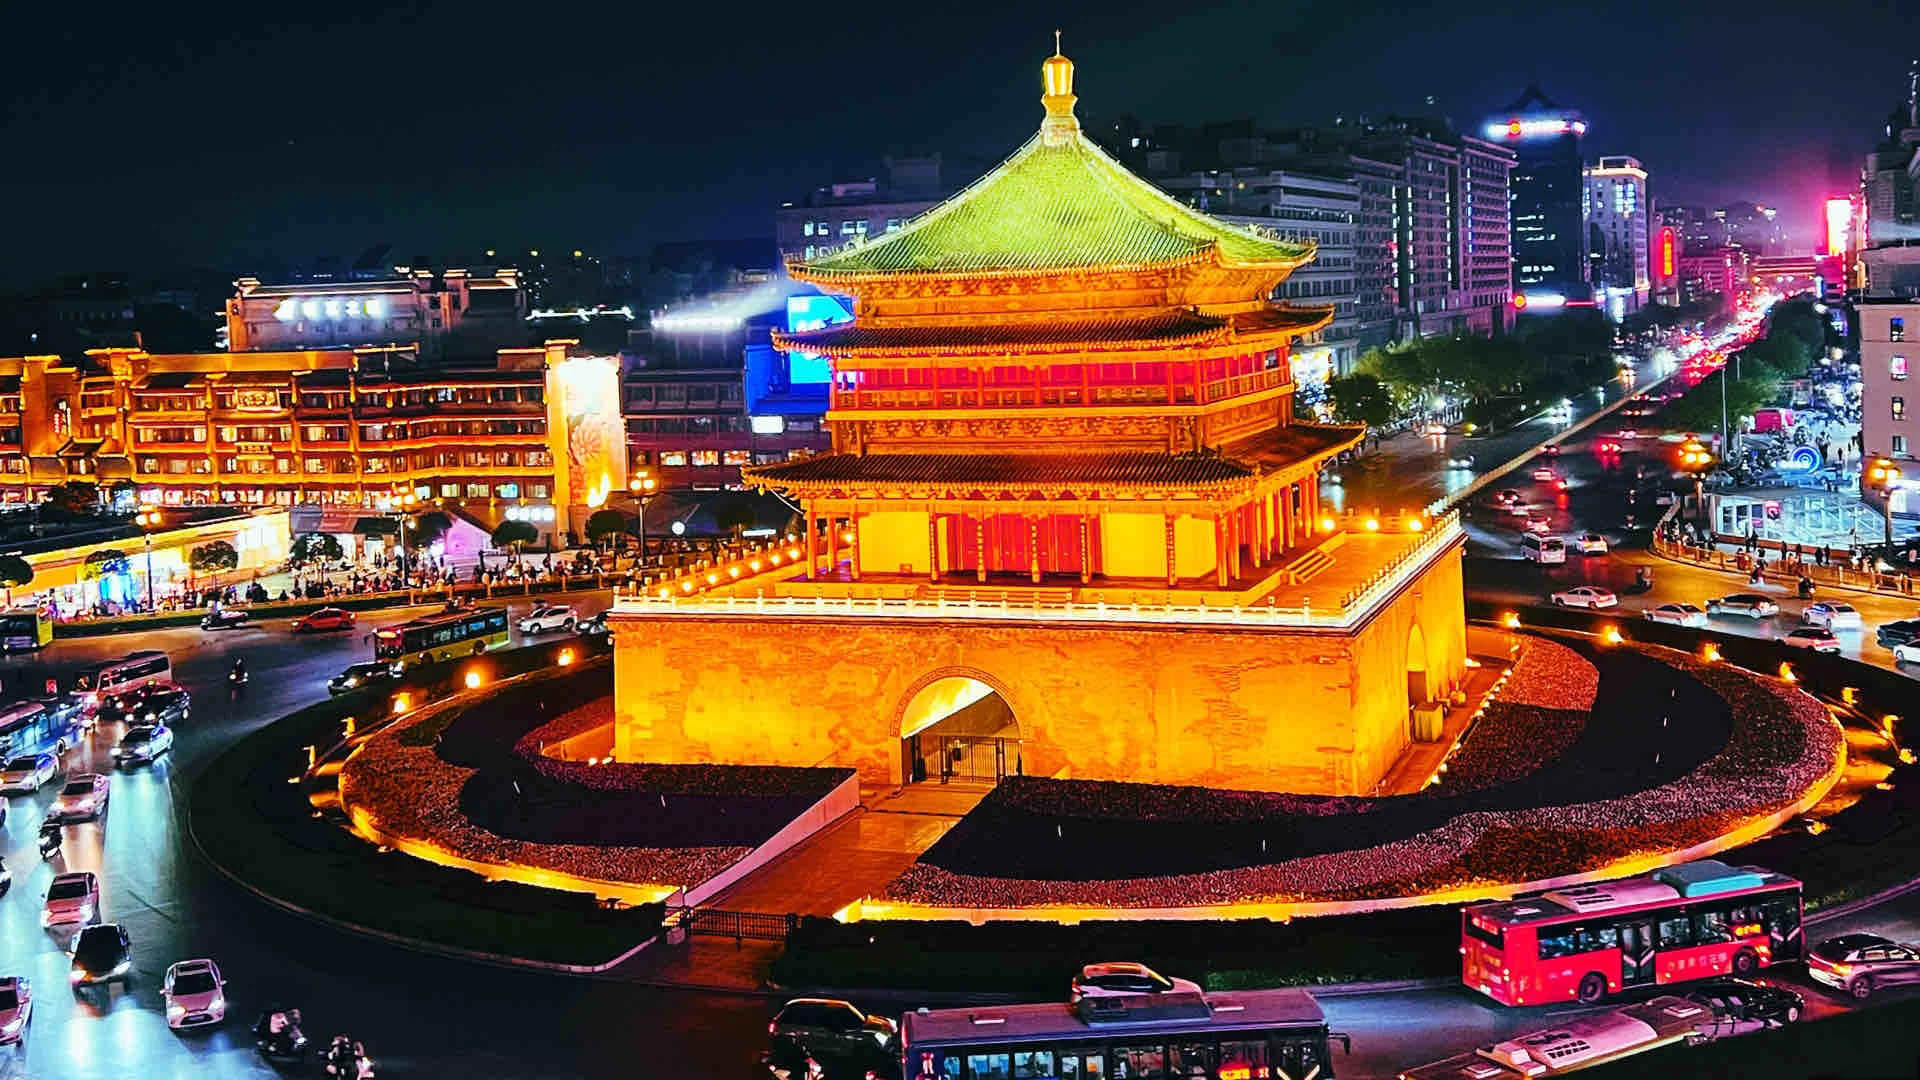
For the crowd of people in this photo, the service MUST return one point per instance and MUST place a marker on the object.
(1783, 742)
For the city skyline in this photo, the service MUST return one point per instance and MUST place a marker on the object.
(667, 126)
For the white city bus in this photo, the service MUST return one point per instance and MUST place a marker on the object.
(1543, 549)
(113, 676)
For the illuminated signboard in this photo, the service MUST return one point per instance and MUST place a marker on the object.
(1537, 127)
(1668, 262)
(806, 313)
(1839, 218)
(333, 308)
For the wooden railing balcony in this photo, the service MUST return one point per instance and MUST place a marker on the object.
(1054, 397)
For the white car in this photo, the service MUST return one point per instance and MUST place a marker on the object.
(1585, 596)
(16, 1008)
(1678, 615)
(1591, 544)
(194, 994)
(72, 898)
(145, 743)
(1436, 429)
(28, 774)
(1124, 979)
(1545, 473)
(84, 798)
(1832, 615)
(1907, 654)
(1817, 638)
(549, 617)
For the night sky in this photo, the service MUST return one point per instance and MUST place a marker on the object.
(165, 135)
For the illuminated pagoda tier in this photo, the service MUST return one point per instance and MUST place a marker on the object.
(1061, 374)
(1065, 474)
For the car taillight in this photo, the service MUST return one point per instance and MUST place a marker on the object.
(773, 1028)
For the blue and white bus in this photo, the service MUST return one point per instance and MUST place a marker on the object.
(29, 727)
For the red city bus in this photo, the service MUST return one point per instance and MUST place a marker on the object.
(1581, 943)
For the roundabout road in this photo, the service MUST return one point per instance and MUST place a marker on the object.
(419, 1015)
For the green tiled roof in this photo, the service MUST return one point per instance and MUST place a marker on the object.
(1054, 207)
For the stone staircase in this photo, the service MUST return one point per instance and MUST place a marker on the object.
(1307, 566)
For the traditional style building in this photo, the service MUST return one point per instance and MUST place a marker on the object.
(1066, 476)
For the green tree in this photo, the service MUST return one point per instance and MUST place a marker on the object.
(605, 523)
(14, 572)
(104, 563)
(734, 514)
(425, 528)
(73, 499)
(315, 547)
(1360, 398)
(513, 535)
(213, 557)
(1699, 409)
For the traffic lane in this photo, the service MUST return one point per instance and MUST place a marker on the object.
(1514, 581)
(1411, 469)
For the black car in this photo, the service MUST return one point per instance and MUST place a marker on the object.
(595, 627)
(1898, 632)
(164, 707)
(101, 953)
(129, 704)
(1740, 1006)
(224, 619)
(371, 673)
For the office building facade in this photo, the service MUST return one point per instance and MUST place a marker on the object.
(1549, 228)
(1619, 240)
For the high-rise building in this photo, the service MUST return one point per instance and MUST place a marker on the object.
(1619, 242)
(1891, 180)
(448, 316)
(1549, 230)
(1299, 202)
(849, 211)
(1751, 226)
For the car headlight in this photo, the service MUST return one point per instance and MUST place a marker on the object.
(14, 1025)
(175, 1012)
(353, 682)
(85, 911)
(76, 975)
(121, 967)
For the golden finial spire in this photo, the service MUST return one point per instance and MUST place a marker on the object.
(1056, 77)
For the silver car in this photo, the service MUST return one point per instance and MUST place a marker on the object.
(1678, 615)
(28, 774)
(1862, 963)
(1752, 605)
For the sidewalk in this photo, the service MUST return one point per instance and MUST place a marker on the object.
(1778, 570)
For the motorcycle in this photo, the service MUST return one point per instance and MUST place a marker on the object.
(277, 1036)
(1642, 581)
(347, 1060)
(236, 681)
(49, 840)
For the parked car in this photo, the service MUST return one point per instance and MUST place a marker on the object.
(1123, 979)
(1591, 544)
(71, 898)
(1585, 596)
(101, 953)
(327, 618)
(16, 1008)
(547, 617)
(1678, 615)
(358, 675)
(1743, 1006)
(28, 774)
(143, 744)
(836, 1027)
(194, 994)
(1752, 605)
(224, 619)
(84, 798)
(1832, 615)
(1862, 963)
(1817, 638)
(1898, 632)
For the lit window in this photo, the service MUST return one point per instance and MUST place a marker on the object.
(1900, 444)
(1896, 329)
(806, 229)
(507, 491)
(1899, 408)
(673, 457)
(846, 228)
(735, 457)
(449, 491)
(1897, 367)
(706, 457)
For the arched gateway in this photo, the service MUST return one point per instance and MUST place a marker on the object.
(958, 724)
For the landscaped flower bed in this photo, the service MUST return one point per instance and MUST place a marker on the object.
(1781, 743)
(1537, 716)
(461, 784)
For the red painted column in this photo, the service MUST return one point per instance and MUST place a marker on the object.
(1086, 556)
(933, 546)
(813, 543)
(980, 547)
(1033, 548)
(853, 546)
(1219, 550)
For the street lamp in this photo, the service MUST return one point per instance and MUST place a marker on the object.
(400, 505)
(1695, 459)
(642, 487)
(148, 519)
(1883, 475)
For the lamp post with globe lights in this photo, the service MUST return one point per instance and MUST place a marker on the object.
(1696, 459)
(400, 504)
(1879, 477)
(642, 488)
(148, 518)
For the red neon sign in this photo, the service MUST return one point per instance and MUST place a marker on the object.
(1667, 260)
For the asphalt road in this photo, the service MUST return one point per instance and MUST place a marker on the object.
(420, 1016)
